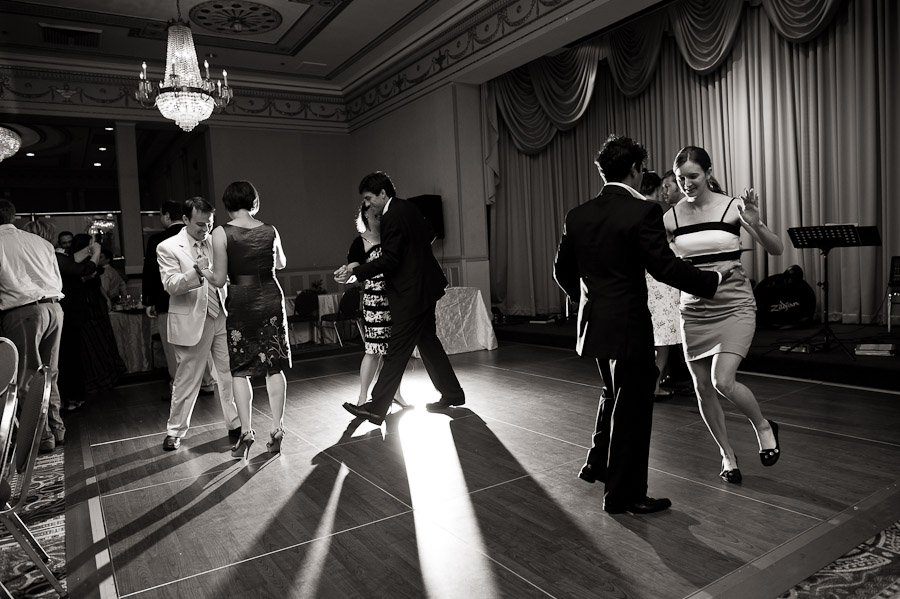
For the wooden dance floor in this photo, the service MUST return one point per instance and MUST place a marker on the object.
(477, 503)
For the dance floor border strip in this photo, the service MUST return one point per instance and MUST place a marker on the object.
(779, 569)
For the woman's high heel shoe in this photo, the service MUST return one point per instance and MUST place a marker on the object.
(731, 476)
(241, 449)
(274, 445)
(768, 457)
(403, 405)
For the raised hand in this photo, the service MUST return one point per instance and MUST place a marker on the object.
(749, 212)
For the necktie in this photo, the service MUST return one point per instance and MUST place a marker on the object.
(212, 304)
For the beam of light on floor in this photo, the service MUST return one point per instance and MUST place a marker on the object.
(310, 571)
(449, 568)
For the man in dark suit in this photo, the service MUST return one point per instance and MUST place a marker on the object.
(606, 246)
(414, 283)
(154, 295)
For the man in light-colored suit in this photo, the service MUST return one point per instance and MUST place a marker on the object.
(196, 323)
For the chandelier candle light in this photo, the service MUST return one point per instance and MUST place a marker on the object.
(10, 142)
(183, 96)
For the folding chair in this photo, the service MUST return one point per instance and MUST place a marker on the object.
(306, 309)
(14, 489)
(348, 309)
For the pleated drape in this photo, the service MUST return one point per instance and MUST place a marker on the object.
(811, 126)
(705, 30)
(546, 96)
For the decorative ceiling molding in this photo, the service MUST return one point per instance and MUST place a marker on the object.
(496, 25)
(27, 90)
(235, 17)
(460, 44)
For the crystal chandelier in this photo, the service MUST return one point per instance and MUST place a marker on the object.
(10, 142)
(183, 96)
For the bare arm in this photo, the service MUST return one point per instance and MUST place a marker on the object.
(219, 276)
(750, 220)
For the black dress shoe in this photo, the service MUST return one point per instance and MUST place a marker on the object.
(171, 443)
(588, 474)
(444, 403)
(234, 433)
(363, 411)
(647, 505)
(768, 457)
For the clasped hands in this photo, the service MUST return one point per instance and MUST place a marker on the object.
(203, 262)
(342, 275)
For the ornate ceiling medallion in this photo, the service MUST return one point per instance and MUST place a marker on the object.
(235, 17)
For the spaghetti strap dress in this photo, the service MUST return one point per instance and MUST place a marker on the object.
(726, 323)
(257, 321)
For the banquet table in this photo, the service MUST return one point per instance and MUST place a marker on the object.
(134, 330)
(463, 323)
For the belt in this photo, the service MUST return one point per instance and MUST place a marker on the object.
(43, 300)
(254, 279)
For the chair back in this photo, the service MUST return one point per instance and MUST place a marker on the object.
(32, 419)
(349, 304)
(307, 303)
(9, 360)
(9, 364)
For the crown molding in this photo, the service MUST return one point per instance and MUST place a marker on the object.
(497, 27)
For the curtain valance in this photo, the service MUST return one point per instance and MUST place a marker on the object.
(633, 51)
(550, 94)
(704, 31)
(547, 95)
(800, 20)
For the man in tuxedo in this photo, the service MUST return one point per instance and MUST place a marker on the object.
(414, 283)
(195, 325)
(607, 244)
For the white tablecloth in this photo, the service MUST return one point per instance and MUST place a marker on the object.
(300, 332)
(463, 324)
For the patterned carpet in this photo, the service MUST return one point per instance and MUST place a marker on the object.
(870, 571)
(44, 515)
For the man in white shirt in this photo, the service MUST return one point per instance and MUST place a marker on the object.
(30, 314)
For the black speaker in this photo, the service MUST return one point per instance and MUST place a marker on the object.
(430, 207)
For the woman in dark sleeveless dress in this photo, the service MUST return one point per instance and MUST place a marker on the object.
(250, 251)
(704, 228)
(376, 312)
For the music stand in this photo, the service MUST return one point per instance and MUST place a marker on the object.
(825, 238)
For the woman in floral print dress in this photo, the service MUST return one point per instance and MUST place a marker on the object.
(250, 251)
(376, 312)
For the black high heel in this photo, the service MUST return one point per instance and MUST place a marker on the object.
(768, 457)
(241, 449)
(274, 444)
(402, 405)
(732, 476)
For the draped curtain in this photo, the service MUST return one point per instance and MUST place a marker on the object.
(809, 124)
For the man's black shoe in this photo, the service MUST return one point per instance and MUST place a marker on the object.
(588, 474)
(444, 403)
(363, 412)
(647, 505)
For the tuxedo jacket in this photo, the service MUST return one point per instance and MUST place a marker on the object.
(607, 244)
(187, 290)
(414, 281)
(152, 290)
